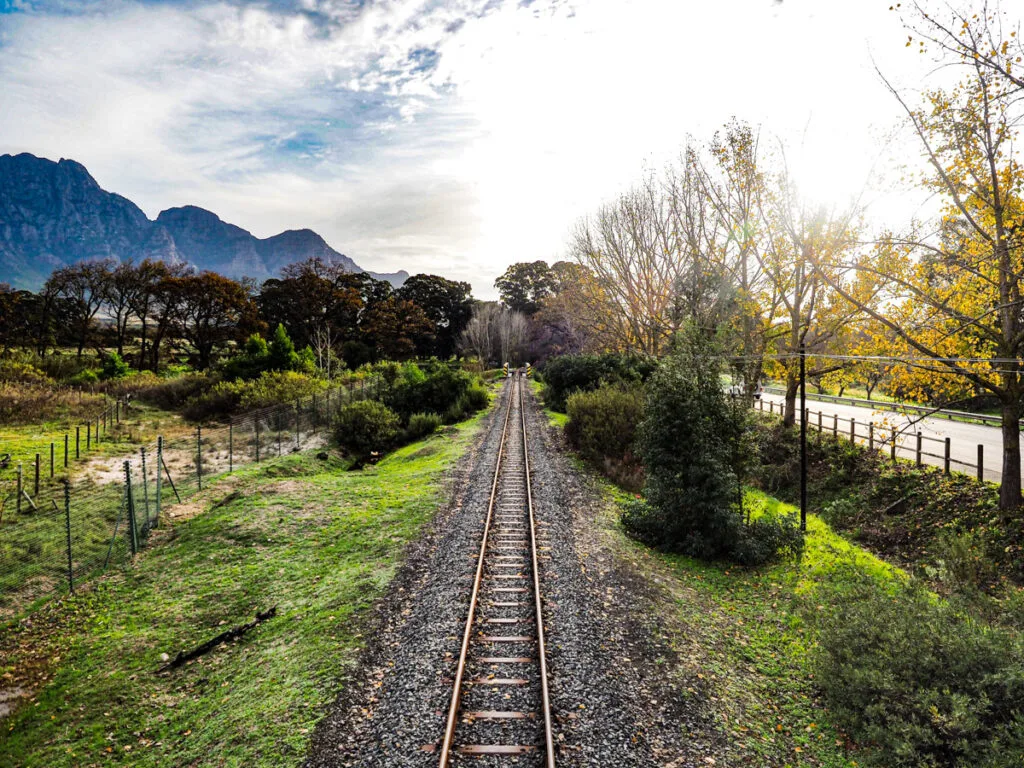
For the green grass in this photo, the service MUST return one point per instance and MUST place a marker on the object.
(319, 542)
(744, 637)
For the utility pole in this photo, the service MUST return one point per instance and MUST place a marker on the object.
(803, 437)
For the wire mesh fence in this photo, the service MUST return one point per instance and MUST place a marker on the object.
(63, 533)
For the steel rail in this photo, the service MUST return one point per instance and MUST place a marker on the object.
(453, 709)
(541, 648)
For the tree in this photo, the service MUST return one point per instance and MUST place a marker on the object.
(84, 286)
(479, 334)
(446, 303)
(396, 327)
(955, 298)
(281, 354)
(212, 310)
(119, 297)
(525, 285)
(513, 331)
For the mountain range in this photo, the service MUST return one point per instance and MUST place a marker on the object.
(54, 213)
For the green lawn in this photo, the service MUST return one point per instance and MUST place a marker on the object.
(319, 542)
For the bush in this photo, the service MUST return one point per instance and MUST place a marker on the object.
(84, 377)
(366, 426)
(114, 367)
(602, 427)
(171, 394)
(13, 371)
(271, 388)
(919, 684)
(421, 425)
(766, 538)
(439, 389)
(687, 441)
(582, 373)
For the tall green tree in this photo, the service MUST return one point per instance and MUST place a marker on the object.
(525, 285)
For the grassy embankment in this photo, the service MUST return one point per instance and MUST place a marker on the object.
(746, 634)
(318, 542)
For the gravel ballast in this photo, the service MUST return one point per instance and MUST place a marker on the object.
(612, 705)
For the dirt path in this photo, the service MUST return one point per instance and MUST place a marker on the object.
(616, 700)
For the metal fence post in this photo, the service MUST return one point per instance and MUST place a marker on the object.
(853, 430)
(946, 460)
(199, 456)
(892, 448)
(67, 530)
(20, 473)
(133, 541)
(871, 435)
(65, 450)
(35, 488)
(231, 446)
(78, 442)
(771, 407)
(835, 425)
(819, 422)
(145, 490)
(88, 435)
(917, 451)
(159, 476)
(51, 461)
(981, 461)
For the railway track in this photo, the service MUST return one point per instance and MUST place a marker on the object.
(500, 710)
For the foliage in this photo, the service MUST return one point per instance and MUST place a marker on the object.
(572, 373)
(84, 377)
(281, 354)
(366, 426)
(525, 285)
(602, 427)
(422, 424)
(446, 303)
(272, 387)
(172, 393)
(919, 684)
(114, 367)
(17, 372)
(434, 390)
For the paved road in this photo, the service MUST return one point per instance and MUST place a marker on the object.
(964, 438)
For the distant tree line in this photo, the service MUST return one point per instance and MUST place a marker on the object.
(152, 311)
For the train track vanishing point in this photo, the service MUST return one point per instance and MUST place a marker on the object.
(500, 705)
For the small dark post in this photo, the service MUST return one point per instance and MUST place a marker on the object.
(18, 505)
(835, 425)
(803, 439)
(133, 542)
(145, 490)
(918, 449)
(159, 488)
(67, 530)
(88, 435)
(78, 442)
(231, 446)
(35, 488)
(819, 422)
(51, 460)
(981, 461)
(65, 450)
(853, 430)
(946, 458)
(771, 407)
(871, 435)
(199, 456)
(892, 448)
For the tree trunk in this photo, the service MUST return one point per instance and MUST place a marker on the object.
(1009, 491)
(792, 387)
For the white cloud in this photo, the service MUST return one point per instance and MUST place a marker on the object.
(458, 161)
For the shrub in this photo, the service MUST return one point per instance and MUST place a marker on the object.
(421, 425)
(366, 426)
(919, 684)
(477, 398)
(602, 427)
(766, 538)
(686, 441)
(439, 389)
(114, 367)
(581, 373)
(14, 371)
(273, 387)
(171, 394)
(83, 377)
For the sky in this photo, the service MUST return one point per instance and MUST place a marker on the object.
(452, 137)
